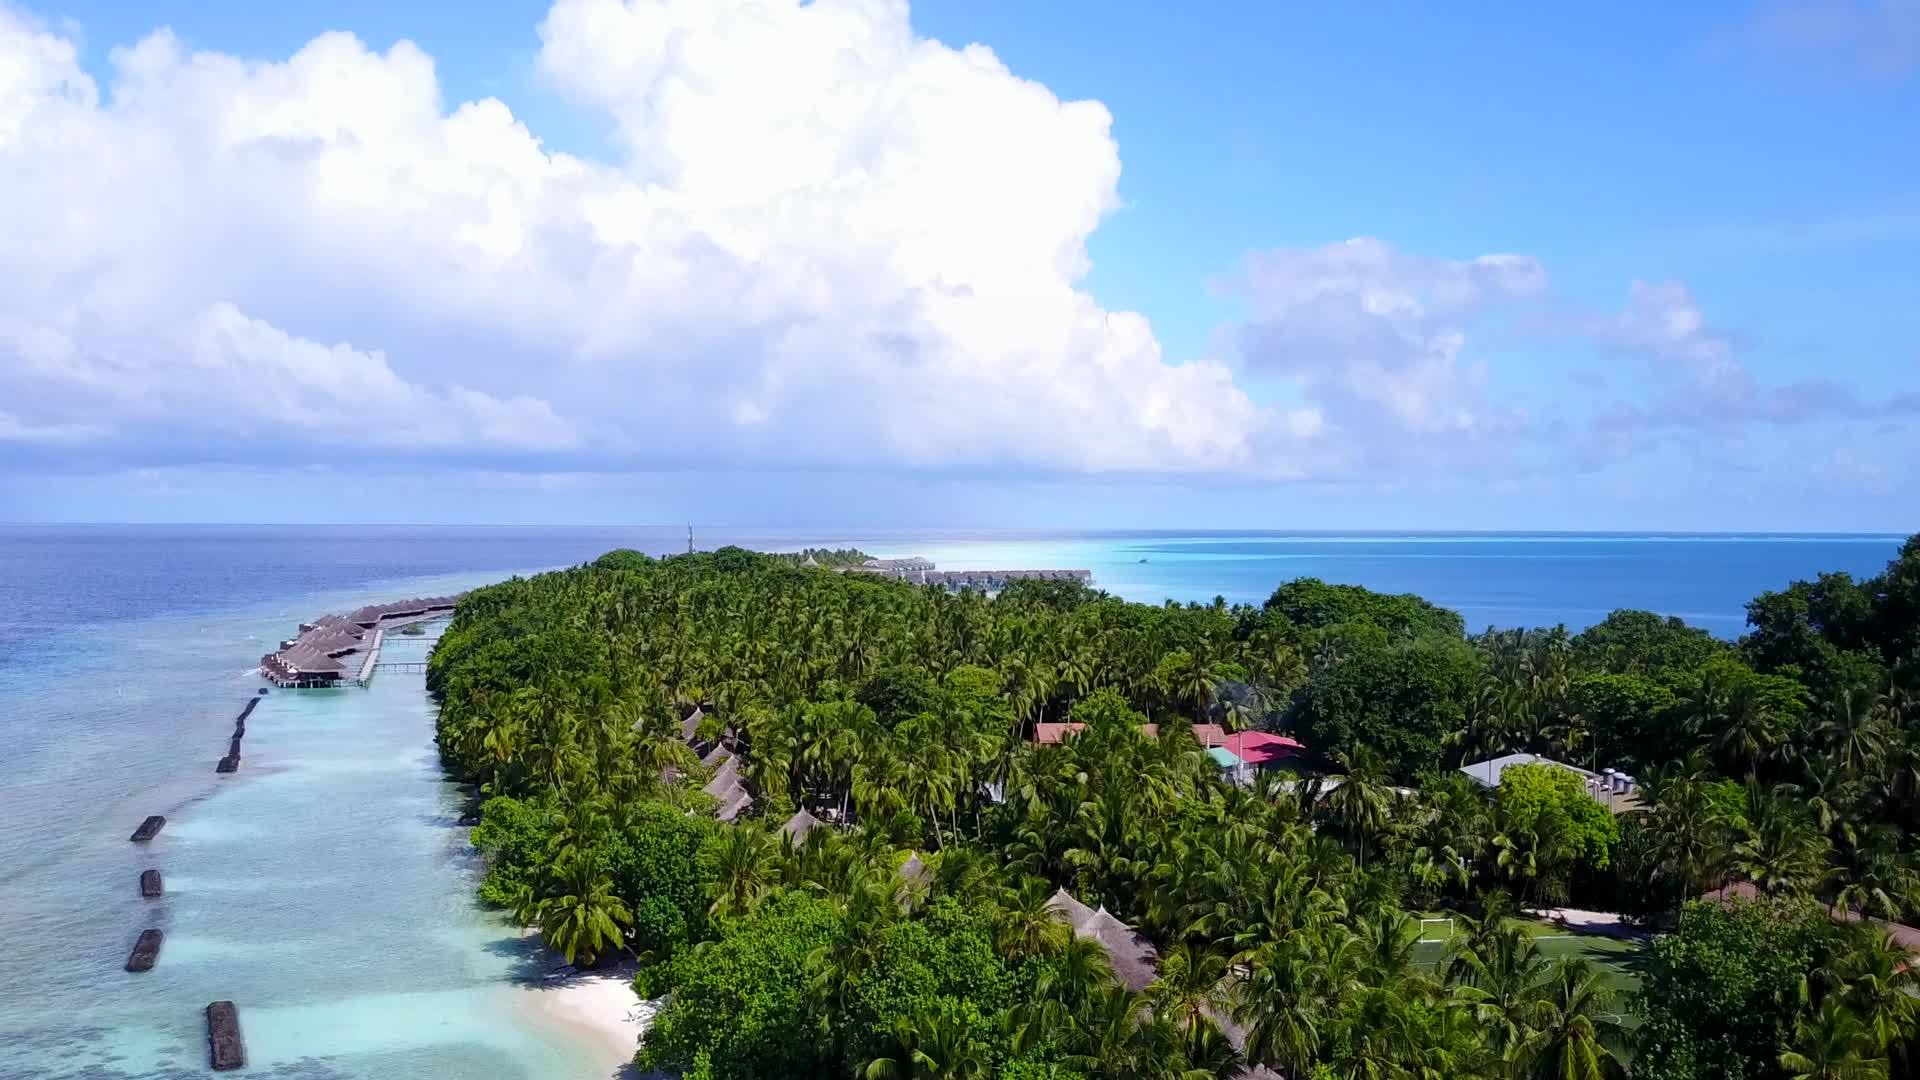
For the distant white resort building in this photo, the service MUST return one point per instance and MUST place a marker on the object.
(895, 566)
(1615, 789)
(921, 571)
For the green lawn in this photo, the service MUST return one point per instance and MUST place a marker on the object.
(1619, 962)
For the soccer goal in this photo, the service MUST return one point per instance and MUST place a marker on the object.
(1442, 929)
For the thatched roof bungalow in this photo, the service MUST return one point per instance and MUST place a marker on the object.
(735, 805)
(726, 779)
(798, 826)
(729, 789)
(914, 871)
(1133, 957)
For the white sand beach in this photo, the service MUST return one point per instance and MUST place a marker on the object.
(600, 1009)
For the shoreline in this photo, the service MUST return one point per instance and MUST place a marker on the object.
(597, 1011)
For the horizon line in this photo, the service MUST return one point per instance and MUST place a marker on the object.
(1029, 529)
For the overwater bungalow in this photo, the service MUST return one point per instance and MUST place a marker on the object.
(344, 648)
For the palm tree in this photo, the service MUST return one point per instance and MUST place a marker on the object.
(1705, 712)
(1292, 987)
(1534, 859)
(657, 746)
(1575, 1034)
(744, 861)
(1027, 924)
(1076, 976)
(1852, 728)
(1077, 670)
(1485, 733)
(1190, 989)
(1777, 847)
(1195, 683)
(1362, 805)
(1747, 735)
(1832, 1045)
(1689, 832)
(1378, 1036)
(1503, 979)
(583, 917)
(1877, 877)
(1449, 833)
(933, 1044)
(1880, 985)
(1113, 1036)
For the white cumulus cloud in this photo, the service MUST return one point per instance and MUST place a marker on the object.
(826, 241)
(1374, 340)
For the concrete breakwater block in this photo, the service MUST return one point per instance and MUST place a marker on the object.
(145, 951)
(233, 746)
(247, 709)
(150, 883)
(230, 763)
(148, 829)
(224, 1045)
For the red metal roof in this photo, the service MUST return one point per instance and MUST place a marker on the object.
(1261, 747)
(1210, 734)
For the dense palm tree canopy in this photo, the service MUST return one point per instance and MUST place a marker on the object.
(905, 881)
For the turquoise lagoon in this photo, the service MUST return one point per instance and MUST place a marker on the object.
(326, 887)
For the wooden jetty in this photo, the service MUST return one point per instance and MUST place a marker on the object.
(148, 829)
(145, 951)
(224, 1046)
(149, 883)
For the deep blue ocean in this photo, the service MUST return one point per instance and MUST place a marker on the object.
(326, 887)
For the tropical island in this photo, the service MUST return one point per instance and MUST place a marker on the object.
(849, 825)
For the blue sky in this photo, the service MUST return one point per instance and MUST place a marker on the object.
(1634, 267)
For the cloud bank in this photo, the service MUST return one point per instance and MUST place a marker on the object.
(830, 242)
(824, 242)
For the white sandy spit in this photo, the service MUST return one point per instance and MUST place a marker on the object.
(601, 1006)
